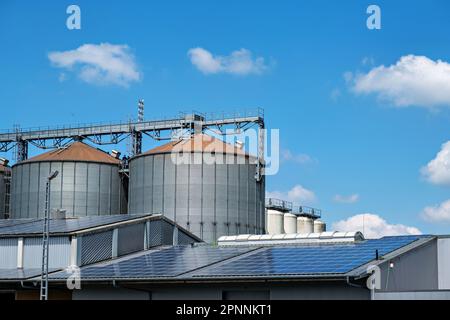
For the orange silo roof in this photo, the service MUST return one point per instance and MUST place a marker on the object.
(198, 143)
(76, 151)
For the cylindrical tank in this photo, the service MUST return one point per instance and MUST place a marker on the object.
(305, 225)
(88, 183)
(4, 170)
(202, 183)
(319, 226)
(275, 224)
(290, 223)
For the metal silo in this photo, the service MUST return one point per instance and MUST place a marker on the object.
(305, 225)
(88, 183)
(319, 226)
(4, 181)
(202, 183)
(275, 222)
(290, 223)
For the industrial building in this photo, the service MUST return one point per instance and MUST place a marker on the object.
(187, 219)
(150, 257)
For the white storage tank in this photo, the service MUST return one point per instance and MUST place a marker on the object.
(319, 226)
(275, 224)
(305, 225)
(290, 223)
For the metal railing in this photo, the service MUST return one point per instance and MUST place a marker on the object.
(283, 205)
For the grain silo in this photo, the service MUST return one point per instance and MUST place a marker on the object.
(305, 225)
(275, 222)
(319, 226)
(4, 175)
(88, 183)
(202, 183)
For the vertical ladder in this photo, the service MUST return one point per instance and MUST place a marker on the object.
(7, 179)
(45, 240)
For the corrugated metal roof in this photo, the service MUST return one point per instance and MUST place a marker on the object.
(198, 143)
(76, 151)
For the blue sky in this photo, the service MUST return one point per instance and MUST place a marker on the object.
(358, 141)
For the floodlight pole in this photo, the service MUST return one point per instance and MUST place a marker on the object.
(45, 239)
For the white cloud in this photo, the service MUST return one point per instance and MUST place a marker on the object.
(301, 158)
(298, 194)
(346, 199)
(99, 64)
(412, 81)
(437, 171)
(439, 213)
(373, 226)
(240, 62)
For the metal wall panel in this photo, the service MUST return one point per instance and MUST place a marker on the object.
(81, 188)
(93, 189)
(209, 201)
(243, 199)
(233, 198)
(147, 173)
(80, 198)
(221, 206)
(443, 246)
(130, 238)
(155, 237)
(44, 171)
(252, 185)
(33, 205)
(58, 257)
(195, 198)
(182, 195)
(106, 189)
(158, 181)
(169, 187)
(2, 194)
(96, 247)
(8, 253)
(25, 191)
(68, 188)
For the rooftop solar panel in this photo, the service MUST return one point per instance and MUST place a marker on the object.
(20, 274)
(61, 225)
(306, 260)
(169, 262)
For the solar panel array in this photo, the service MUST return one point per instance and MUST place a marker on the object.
(169, 262)
(20, 274)
(307, 260)
(216, 262)
(15, 227)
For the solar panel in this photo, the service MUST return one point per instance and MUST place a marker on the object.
(305, 260)
(19, 226)
(169, 262)
(20, 274)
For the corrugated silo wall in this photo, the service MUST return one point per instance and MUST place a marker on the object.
(81, 188)
(2, 194)
(210, 200)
